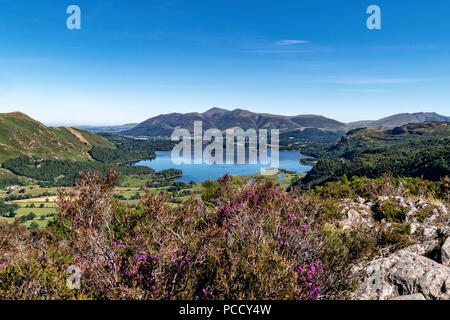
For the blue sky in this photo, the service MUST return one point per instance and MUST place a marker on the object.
(136, 59)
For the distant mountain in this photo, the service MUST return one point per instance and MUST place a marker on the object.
(222, 119)
(20, 135)
(163, 125)
(405, 118)
(109, 129)
(360, 124)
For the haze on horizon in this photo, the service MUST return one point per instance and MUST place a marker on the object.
(130, 62)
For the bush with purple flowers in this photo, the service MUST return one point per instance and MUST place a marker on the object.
(246, 241)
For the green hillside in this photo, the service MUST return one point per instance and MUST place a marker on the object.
(414, 150)
(358, 141)
(22, 136)
(31, 153)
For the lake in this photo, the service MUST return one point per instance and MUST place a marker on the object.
(289, 160)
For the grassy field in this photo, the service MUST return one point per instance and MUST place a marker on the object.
(287, 178)
(34, 192)
(43, 215)
(136, 180)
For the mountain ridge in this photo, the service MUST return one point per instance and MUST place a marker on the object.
(20, 135)
(401, 119)
(222, 119)
(109, 129)
(164, 124)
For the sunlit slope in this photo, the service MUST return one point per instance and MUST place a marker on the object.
(20, 135)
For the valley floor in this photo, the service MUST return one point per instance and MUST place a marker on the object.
(130, 192)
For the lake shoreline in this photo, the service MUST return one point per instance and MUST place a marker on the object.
(288, 160)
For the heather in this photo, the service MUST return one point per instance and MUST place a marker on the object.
(238, 240)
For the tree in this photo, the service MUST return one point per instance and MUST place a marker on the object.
(34, 226)
(31, 216)
(210, 190)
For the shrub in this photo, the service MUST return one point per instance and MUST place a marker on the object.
(210, 190)
(395, 235)
(34, 226)
(241, 241)
(86, 214)
(389, 210)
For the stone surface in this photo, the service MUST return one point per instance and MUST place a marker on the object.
(413, 227)
(416, 273)
(430, 232)
(415, 296)
(423, 248)
(410, 214)
(405, 273)
(445, 253)
(356, 219)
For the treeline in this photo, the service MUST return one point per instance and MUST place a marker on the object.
(129, 149)
(14, 197)
(119, 155)
(9, 180)
(429, 159)
(161, 181)
(297, 138)
(7, 209)
(59, 173)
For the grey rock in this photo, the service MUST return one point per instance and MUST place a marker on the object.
(420, 202)
(360, 200)
(410, 204)
(356, 219)
(423, 248)
(401, 201)
(413, 227)
(432, 219)
(410, 213)
(405, 273)
(352, 214)
(445, 253)
(415, 296)
(430, 231)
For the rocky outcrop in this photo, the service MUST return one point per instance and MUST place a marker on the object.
(356, 219)
(445, 253)
(405, 273)
(415, 296)
(420, 271)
